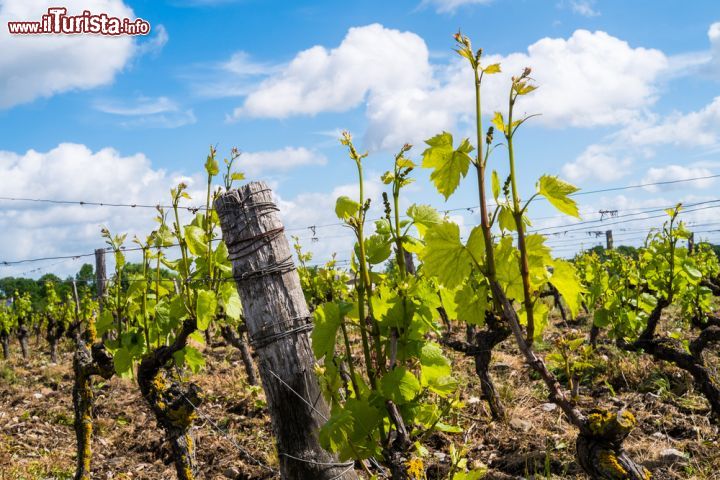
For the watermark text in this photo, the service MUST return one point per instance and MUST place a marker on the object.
(57, 21)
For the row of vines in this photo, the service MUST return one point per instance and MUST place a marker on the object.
(418, 290)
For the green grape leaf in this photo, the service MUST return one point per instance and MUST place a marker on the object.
(507, 268)
(693, 274)
(104, 322)
(475, 474)
(647, 302)
(506, 219)
(195, 239)
(211, 166)
(230, 300)
(493, 68)
(206, 306)
(445, 257)
(565, 279)
(471, 304)
(399, 315)
(122, 360)
(447, 301)
(324, 334)
(557, 193)
(189, 357)
(377, 249)
(448, 164)
(523, 88)
(346, 207)
(476, 244)
(423, 216)
(435, 369)
(495, 182)
(540, 318)
(499, 122)
(399, 385)
(366, 418)
(335, 432)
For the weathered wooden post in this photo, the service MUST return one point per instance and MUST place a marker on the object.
(691, 243)
(609, 239)
(100, 276)
(278, 323)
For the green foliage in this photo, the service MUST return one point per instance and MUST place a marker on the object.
(148, 303)
(446, 258)
(448, 163)
(557, 193)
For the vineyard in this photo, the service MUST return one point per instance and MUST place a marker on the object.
(438, 351)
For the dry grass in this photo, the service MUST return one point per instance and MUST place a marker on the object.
(37, 440)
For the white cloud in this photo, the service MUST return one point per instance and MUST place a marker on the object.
(590, 79)
(35, 66)
(318, 209)
(242, 65)
(704, 62)
(142, 106)
(696, 130)
(235, 77)
(587, 80)
(154, 45)
(74, 172)
(370, 59)
(597, 162)
(584, 8)
(255, 163)
(450, 6)
(146, 112)
(672, 173)
(714, 61)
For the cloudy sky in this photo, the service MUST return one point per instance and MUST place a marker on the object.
(628, 97)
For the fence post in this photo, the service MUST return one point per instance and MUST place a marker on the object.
(278, 323)
(608, 239)
(691, 243)
(100, 276)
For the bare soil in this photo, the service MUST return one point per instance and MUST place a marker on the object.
(234, 438)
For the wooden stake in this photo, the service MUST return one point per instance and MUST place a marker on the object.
(609, 239)
(278, 323)
(100, 276)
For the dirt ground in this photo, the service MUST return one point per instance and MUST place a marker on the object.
(234, 438)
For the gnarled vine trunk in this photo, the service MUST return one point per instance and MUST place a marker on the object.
(5, 340)
(86, 363)
(671, 350)
(599, 449)
(172, 404)
(55, 332)
(22, 334)
(481, 348)
(237, 340)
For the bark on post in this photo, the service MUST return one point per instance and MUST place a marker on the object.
(100, 278)
(691, 243)
(278, 323)
(609, 239)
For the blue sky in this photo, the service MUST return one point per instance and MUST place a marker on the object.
(627, 96)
